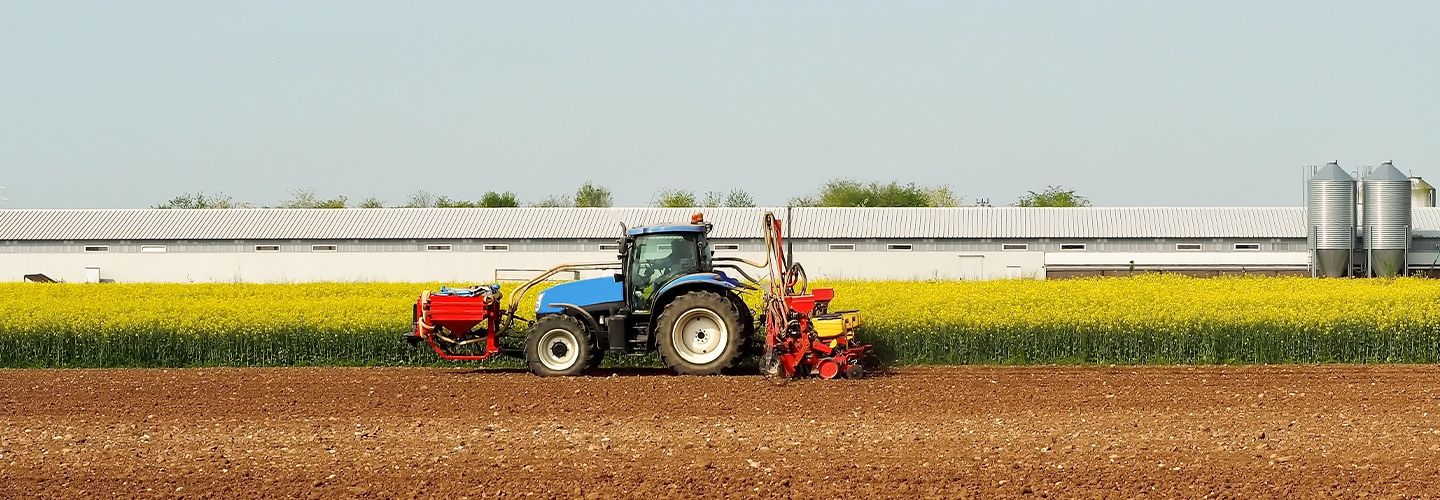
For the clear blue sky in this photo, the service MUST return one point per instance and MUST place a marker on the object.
(124, 104)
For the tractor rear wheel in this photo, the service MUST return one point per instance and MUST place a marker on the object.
(595, 359)
(700, 333)
(559, 346)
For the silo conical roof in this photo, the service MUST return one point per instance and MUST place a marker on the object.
(1387, 172)
(1332, 172)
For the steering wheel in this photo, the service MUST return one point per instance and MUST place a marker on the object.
(648, 270)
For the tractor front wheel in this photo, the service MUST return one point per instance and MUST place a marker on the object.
(559, 346)
(700, 333)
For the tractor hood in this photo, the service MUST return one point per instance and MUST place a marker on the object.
(583, 293)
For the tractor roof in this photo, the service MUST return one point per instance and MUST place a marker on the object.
(666, 228)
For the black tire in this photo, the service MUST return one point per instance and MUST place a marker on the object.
(597, 357)
(747, 319)
(702, 354)
(559, 346)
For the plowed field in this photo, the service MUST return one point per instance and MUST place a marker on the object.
(953, 432)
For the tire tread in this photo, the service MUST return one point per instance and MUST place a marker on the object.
(722, 306)
(588, 355)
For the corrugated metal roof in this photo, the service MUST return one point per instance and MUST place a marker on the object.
(382, 223)
(1012, 222)
(570, 223)
(1426, 222)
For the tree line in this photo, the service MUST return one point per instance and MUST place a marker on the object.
(835, 193)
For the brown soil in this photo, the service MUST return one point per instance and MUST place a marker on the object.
(953, 432)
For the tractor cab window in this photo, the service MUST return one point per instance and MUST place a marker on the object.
(657, 259)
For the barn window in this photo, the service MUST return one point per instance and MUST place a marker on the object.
(842, 247)
(1247, 247)
(898, 247)
(495, 247)
(445, 247)
(267, 248)
(727, 247)
(1072, 246)
(98, 248)
(152, 248)
(1014, 247)
(1187, 247)
(324, 248)
(609, 247)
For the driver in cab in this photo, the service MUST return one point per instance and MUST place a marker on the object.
(678, 261)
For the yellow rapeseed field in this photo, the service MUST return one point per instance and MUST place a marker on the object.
(1146, 319)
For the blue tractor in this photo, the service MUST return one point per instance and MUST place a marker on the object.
(668, 294)
(667, 297)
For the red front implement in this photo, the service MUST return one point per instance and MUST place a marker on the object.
(452, 320)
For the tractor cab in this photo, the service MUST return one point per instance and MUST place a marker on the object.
(655, 256)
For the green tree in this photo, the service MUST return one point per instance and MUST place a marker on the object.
(942, 196)
(675, 198)
(554, 201)
(713, 199)
(738, 198)
(307, 198)
(1053, 196)
(849, 193)
(372, 202)
(419, 199)
(200, 200)
(446, 202)
(493, 199)
(592, 195)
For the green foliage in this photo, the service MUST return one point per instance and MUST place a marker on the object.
(201, 200)
(680, 198)
(849, 193)
(490, 199)
(554, 201)
(592, 195)
(419, 199)
(675, 198)
(372, 202)
(941, 196)
(736, 198)
(446, 202)
(1053, 196)
(307, 198)
(493, 199)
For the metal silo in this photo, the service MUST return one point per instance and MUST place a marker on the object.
(1330, 216)
(1386, 221)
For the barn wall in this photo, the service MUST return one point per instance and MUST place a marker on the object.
(468, 261)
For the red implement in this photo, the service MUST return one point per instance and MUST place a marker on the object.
(448, 323)
(802, 337)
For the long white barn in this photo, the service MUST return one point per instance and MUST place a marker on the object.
(477, 245)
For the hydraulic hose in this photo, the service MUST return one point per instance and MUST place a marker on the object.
(525, 288)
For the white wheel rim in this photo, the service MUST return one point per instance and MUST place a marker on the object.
(700, 336)
(558, 349)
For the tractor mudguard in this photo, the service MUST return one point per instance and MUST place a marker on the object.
(715, 280)
(581, 314)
